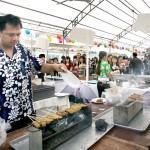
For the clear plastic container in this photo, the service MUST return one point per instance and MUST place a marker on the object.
(112, 99)
(2, 133)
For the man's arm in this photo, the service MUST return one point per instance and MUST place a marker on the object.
(48, 68)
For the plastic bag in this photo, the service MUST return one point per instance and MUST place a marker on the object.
(2, 133)
(112, 99)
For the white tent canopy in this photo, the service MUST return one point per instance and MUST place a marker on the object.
(110, 20)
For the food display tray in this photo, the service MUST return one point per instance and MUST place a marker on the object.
(139, 123)
(80, 141)
(90, 135)
(84, 139)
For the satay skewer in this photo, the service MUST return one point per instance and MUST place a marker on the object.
(30, 118)
(37, 115)
(34, 123)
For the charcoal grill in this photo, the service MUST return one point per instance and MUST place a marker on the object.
(60, 130)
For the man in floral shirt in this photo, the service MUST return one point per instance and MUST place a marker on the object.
(16, 65)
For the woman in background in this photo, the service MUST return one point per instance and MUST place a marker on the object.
(82, 61)
(114, 65)
(121, 65)
(55, 62)
(75, 69)
(103, 71)
(93, 65)
(68, 63)
(109, 58)
(63, 59)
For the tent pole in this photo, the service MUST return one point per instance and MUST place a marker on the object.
(110, 47)
(31, 44)
(87, 64)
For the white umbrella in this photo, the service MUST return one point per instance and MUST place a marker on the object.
(142, 23)
(43, 43)
(85, 36)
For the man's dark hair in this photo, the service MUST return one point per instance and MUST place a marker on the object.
(74, 57)
(63, 57)
(134, 54)
(9, 19)
(42, 55)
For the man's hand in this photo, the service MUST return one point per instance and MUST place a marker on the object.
(60, 67)
(48, 68)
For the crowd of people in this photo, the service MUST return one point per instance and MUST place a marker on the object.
(79, 61)
(123, 64)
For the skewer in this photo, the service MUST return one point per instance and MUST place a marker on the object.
(34, 123)
(37, 115)
(30, 117)
(33, 119)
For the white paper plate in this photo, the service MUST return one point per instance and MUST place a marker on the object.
(70, 79)
(94, 100)
(61, 94)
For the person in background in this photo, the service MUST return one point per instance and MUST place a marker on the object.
(63, 59)
(84, 55)
(56, 62)
(82, 61)
(136, 64)
(40, 74)
(103, 70)
(78, 56)
(68, 63)
(93, 63)
(121, 65)
(146, 68)
(42, 58)
(125, 61)
(109, 58)
(114, 66)
(51, 61)
(75, 69)
(16, 65)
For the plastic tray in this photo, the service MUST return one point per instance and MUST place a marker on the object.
(139, 123)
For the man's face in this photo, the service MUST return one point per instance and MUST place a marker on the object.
(78, 55)
(10, 36)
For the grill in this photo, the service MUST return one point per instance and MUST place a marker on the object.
(59, 130)
(42, 92)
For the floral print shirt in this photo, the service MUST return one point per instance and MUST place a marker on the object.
(105, 69)
(15, 83)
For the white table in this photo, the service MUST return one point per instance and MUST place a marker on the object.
(86, 91)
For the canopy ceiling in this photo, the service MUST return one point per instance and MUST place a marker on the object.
(111, 20)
